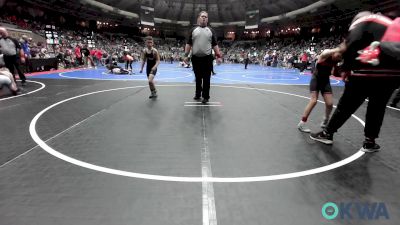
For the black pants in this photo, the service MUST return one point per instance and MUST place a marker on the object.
(303, 66)
(357, 89)
(128, 63)
(11, 62)
(396, 98)
(25, 67)
(202, 70)
(246, 62)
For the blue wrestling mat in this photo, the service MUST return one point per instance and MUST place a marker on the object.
(226, 74)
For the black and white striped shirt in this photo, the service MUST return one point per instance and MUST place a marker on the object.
(202, 40)
(9, 46)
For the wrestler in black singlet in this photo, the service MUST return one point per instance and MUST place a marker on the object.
(151, 57)
(320, 79)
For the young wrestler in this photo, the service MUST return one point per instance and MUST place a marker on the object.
(320, 84)
(151, 57)
(6, 79)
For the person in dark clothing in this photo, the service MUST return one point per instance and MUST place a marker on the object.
(25, 45)
(275, 60)
(246, 59)
(375, 82)
(291, 61)
(10, 47)
(151, 57)
(129, 60)
(202, 41)
(212, 65)
(113, 68)
(87, 59)
(320, 83)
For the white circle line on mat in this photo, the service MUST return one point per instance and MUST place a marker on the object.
(50, 150)
(121, 79)
(31, 92)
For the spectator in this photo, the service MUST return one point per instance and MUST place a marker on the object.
(78, 55)
(304, 61)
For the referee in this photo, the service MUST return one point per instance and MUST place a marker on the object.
(10, 47)
(202, 41)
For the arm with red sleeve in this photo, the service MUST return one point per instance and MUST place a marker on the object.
(361, 34)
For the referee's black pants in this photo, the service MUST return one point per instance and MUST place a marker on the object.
(202, 67)
(246, 62)
(11, 62)
(357, 89)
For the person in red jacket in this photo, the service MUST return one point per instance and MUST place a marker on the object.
(304, 61)
(94, 58)
(375, 81)
(98, 56)
(78, 55)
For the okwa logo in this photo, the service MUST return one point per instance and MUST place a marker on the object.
(355, 210)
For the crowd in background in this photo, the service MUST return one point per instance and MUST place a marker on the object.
(74, 49)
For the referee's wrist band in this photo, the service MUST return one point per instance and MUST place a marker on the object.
(186, 54)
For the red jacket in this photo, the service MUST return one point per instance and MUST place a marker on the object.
(362, 33)
(78, 52)
(304, 58)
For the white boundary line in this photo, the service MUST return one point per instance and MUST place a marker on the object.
(30, 81)
(62, 132)
(17, 157)
(390, 107)
(190, 74)
(252, 70)
(125, 75)
(269, 83)
(204, 105)
(208, 198)
(42, 144)
(253, 82)
(256, 78)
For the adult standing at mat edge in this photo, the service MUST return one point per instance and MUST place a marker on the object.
(369, 73)
(11, 48)
(202, 41)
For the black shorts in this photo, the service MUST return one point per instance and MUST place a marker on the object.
(322, 85)
(148, 71)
